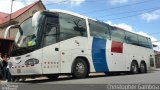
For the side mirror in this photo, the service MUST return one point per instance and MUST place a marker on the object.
(8, 30)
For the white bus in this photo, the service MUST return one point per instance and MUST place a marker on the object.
(58, 42)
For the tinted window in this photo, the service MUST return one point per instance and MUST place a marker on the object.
(99, 30)
(51, 30)
(143, 41)
(50, 36)
(131, 38)
(117, 35)
(52, 19)
(71, 26)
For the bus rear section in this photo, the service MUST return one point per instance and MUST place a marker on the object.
(113, 56)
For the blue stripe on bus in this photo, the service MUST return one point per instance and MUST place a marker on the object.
(99, 55)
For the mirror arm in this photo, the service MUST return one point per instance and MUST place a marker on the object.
(8, 29)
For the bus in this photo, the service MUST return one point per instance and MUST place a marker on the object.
(59, 42)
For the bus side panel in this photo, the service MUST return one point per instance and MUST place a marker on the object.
(71, 49)
(99, 55)
(116, 57)
(103, 59)
(51, 59)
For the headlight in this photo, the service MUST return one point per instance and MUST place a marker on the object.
(31, 62)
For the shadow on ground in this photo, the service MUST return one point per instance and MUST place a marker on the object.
(44, 80)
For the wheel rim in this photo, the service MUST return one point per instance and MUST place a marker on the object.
(142, 68)
(134, 68)
(80, 67)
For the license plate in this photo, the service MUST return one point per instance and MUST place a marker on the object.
(18, 70)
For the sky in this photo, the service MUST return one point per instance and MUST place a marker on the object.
(138, 16)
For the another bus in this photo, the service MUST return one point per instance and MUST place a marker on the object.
(59, 42)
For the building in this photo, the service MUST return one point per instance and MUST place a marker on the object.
(157, 59)
(16, 17)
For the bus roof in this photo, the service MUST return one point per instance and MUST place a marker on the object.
(67, 12)
(72, 13)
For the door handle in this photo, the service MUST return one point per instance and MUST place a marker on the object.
(56, 49)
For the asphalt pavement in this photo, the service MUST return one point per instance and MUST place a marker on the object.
(94, 82)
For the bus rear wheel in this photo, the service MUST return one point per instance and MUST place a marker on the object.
(80, 69)
(52, 77)
(134, 67)
(143, 67)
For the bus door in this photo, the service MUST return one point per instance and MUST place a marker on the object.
(51, 53)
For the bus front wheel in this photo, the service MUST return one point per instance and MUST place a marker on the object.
(80, 69)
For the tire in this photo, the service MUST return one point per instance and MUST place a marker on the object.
(143, 68)
(52, 77)
(80, 69)
(134, 67)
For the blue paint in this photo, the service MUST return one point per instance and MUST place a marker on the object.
(99, 55)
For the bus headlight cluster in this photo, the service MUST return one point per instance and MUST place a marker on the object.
(31, 62)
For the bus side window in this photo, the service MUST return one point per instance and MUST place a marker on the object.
(71, 26)
(117, 35)
(50, 35)
(143, 41)
(132, 38)
(99, 30)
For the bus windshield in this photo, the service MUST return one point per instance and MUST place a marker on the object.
(27, 37)
(29, 28)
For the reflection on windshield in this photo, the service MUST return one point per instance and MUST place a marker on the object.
(32, 41)
(28, 37)
(28, 41)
